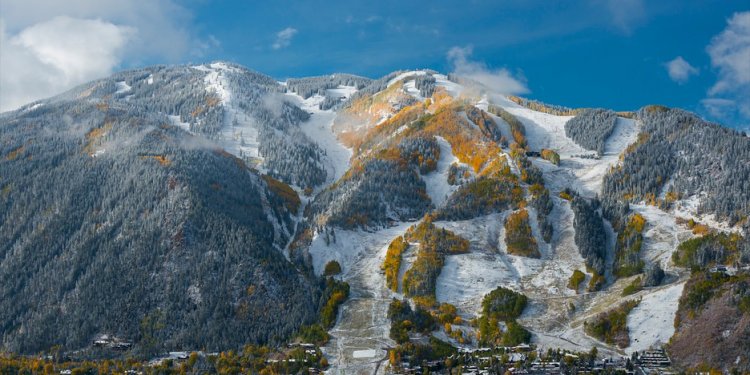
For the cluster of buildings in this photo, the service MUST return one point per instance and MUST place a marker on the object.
(655, 361)
(111, 342)
(523, 360)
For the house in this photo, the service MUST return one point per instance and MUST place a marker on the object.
(655, 360)
(549, 367)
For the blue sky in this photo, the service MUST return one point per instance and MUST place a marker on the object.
(592, 53)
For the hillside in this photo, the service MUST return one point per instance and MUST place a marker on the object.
(115, 221)
(200, 202)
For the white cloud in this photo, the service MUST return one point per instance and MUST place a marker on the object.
(500, 80)
(284, 38)
(680, 70)
(717, 107)
(51, 56)
(626, 14)
(48, 47)
(163, 25)
(730, 54)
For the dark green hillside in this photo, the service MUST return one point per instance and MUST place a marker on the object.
(112, 222)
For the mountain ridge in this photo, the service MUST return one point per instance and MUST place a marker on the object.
(336, 167)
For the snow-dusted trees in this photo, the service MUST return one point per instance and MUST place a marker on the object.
(590, 236)
(482, 196)
(330, 101)
(542, 202)
(518, 236)
(309, 86)
(679, 155)
(371, 194)
(181, 91)
(485, 123)
(425, 84)
(421, 152)
(517, 129)
(591, 128)
(434, 245)
(372, 87)
(654, 275)
(158, 239)
(538, 106)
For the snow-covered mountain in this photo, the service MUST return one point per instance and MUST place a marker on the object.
(580, 210)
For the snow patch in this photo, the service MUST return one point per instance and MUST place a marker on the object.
(661, 236)
(122, 87)
(239, 135)
(368, 353)
(436, 181)
(461, 282)
(177, 121)
(652, 321)
(688, 209)
(453, 89)
(405, 75)
(411, 88)
(319, 128)
(341, 91)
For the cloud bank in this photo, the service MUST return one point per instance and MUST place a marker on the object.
(49, 47)
(55, 55)
(500, 80)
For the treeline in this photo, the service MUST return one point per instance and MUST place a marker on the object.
(628, 260)
(712, 249)
(404, 320)
(248, 359)
(485, 123)
(309, 86)
(538, 106)
(392, 263)
(482, 196)
(543, 205)
(334, 295)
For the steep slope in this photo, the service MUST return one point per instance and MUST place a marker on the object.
(715, 314)
(114, 221)
(457, 116)
(679, 157)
